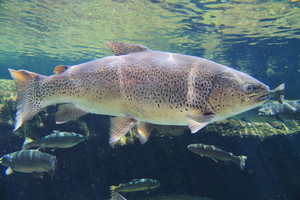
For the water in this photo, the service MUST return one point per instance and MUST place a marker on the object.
(258, 37)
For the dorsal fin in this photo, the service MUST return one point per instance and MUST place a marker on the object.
(123, 48)
(60, 69)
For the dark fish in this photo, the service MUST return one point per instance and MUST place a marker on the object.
(29, 161)
(215, 153)
(140, 84)
(135, 185)
(55, 140)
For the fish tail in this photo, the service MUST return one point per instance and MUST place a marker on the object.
(113, 189)
(27, 143)
(278, 93)
(117, 196)
(29, 103)
(242, 162)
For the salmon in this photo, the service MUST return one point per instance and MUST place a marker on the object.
(140, 85)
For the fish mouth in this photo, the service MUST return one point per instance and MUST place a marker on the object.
(262, 98)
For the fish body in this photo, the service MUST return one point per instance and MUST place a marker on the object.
(55, 140)
(135, 185)
(216, 153)
(29, 161)
(139, 84)
(286, 110)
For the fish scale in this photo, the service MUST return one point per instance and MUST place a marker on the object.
(142, 85)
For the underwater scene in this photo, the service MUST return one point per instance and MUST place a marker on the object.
(150, 100)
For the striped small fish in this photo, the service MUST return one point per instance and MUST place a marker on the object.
(29, 161)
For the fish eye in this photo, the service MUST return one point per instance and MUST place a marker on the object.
(248, 88)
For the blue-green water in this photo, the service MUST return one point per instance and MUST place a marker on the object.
(261, 38)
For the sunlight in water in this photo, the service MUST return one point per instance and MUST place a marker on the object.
(74, 30)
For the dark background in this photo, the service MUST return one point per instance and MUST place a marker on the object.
(87, 170)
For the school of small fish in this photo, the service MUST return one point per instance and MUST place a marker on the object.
(35, 161)
(139, 87)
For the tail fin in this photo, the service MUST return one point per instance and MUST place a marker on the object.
(242, 162)
(113, 189)
(28, 102)
(117, 196)
(27, 143)
(278, 93)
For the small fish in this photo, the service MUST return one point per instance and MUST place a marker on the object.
(117, 196)
(140, 85)
(29, 161)
(286, 110)
(135, 185)
(215, 153)
(55, 140)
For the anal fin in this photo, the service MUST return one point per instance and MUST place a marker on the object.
(196, 122)
(68, 112)
(9, 171)
(119, 126)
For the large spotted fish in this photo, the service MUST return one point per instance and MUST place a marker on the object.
(140, 85)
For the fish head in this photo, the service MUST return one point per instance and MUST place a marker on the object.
(6, 160)
(235, 92)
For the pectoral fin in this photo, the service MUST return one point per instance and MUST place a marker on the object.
(196, 122)
(143, 132)
(68, 112)
(119, 126)
(9, 171)
(214, 160)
